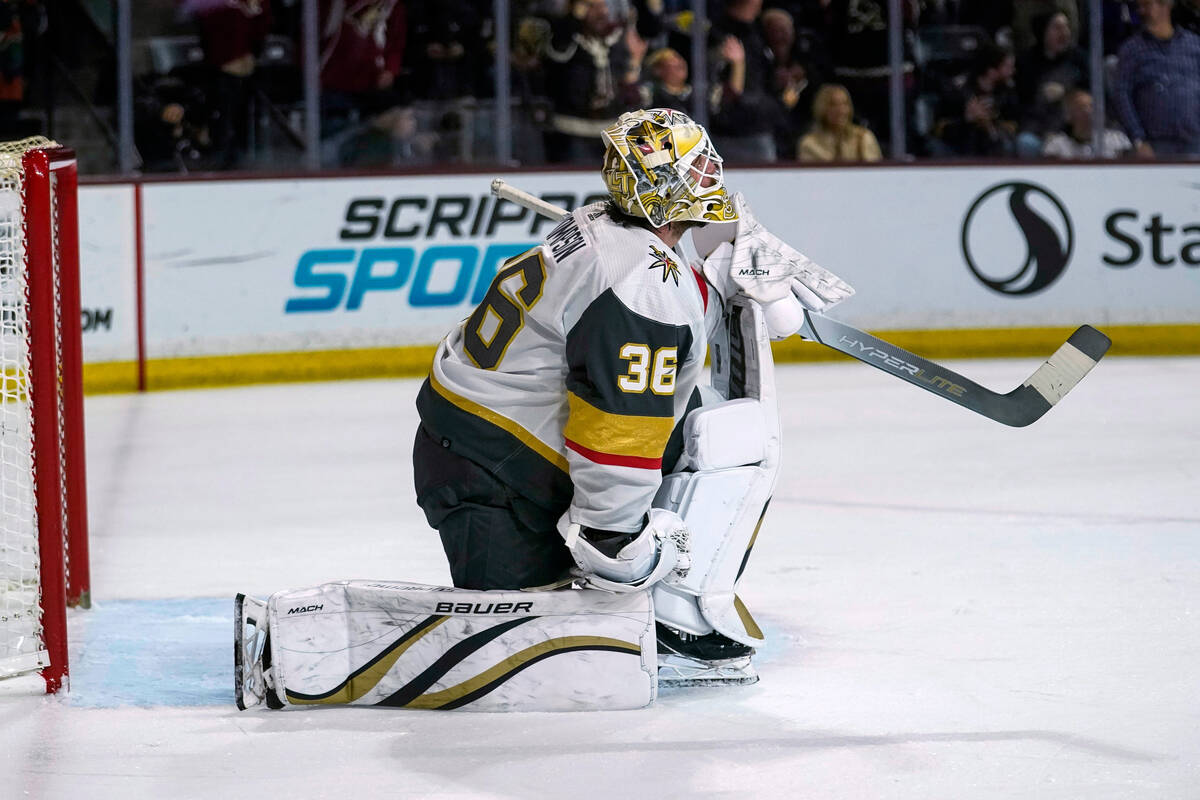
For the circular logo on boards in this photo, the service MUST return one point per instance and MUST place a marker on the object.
(1017, 238)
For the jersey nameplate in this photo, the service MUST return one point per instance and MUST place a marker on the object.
(565, 239)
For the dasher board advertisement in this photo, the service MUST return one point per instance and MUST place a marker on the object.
(261, 266)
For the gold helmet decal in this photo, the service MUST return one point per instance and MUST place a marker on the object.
(661, 165)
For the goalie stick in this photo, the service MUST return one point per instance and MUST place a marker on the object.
(1018, 408)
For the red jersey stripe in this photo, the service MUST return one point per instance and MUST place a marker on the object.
(703, 284)
(637, 462)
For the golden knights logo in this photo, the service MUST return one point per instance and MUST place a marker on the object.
(665, 263)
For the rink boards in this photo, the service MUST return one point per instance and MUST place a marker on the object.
(232, 281)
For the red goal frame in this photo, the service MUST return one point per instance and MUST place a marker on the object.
(51, 223)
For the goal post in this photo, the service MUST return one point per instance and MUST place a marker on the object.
(43, 505)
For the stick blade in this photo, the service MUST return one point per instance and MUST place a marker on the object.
(1090, 342)
(1061, 373)
(1022, 406)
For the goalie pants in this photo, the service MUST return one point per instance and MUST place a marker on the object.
(494, 538)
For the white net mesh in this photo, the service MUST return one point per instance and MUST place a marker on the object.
(21, 646)
(60, 378)
(20, 147)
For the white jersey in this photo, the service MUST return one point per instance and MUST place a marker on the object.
(571, 375)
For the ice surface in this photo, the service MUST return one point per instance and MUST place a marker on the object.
(955, 609)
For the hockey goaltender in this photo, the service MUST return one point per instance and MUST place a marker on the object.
(596, 503)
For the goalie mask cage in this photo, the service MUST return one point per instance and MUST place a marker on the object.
(43, 513)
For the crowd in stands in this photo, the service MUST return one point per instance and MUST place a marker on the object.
(404, 82)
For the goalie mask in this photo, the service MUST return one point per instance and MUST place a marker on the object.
(660, 165)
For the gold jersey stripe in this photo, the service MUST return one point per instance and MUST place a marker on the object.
(616, 434)
(363, 681)
(515, 662)
(525, 437)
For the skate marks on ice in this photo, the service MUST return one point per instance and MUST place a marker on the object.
(722, 747)
(176, 653)
(918, 648)
(164, 653)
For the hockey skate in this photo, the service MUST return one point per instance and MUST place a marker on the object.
(251, 655)
(709, 660)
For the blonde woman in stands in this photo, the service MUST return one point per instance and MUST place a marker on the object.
(834, 136)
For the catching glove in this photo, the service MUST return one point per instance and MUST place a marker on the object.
(745, 257)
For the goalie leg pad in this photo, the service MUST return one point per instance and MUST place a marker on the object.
(734, 448)
(723, 510)
(408, 645)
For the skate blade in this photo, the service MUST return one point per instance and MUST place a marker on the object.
(676, 671)
(679, 683)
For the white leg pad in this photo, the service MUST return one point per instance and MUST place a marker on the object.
(734, 449)
(413, 646)
(722, 509)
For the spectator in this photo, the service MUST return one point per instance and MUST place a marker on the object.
(590, 79)
(981, 114)
(1045, 74)
(742, 109)
(14, 23)
(1076, 140)
(649, 17)
(362, 55)
(834, 136)
(1157, 93)
(531, 35)
(675, 23)
(812, 25)
(994, 16)
(232, 33)
(740, 19)
(790, 81)
(668, 86)
(394, 136)
(171, 126)
(861, 56)
(635, 49)
(779, 35)
(1026, 12)
(445, 39)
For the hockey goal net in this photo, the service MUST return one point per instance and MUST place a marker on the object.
(43, 514)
